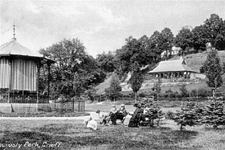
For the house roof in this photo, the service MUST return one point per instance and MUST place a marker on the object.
(16, 49)
(178, 65)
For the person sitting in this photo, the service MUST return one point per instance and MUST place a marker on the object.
(122, 113)
(104, 118)
(112, 114)
(91, 124)
(135, 119)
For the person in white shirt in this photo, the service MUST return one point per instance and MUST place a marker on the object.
(91, 123)
(104, 118)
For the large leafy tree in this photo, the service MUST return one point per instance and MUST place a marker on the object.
(165, 42)
(215, 31)
(106, 61)
(136, 54)
(74, 70)
(184, 40)
(200, 38)
(213, 70)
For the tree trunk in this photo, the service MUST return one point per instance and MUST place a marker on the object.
(73, 105)
(213, 93)
(135, 97)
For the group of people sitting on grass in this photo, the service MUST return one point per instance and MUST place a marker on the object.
(137, 117)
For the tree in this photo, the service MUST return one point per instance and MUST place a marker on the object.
(200, 38)
(157, 88)
(215, 31)
(106, 61)
(74, 70)
(165, 42)
(136, 80)
(213, 70)
(214, 114)
(132, 57)
(184, 40)
(113, 92)
(190, 115)
(184, 91)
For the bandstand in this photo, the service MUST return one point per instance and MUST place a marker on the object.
(19, 72)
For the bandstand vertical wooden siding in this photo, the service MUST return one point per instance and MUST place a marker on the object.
(19, 69)
(4, 73)
(24, 75)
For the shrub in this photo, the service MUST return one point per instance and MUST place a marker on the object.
(184, 91)
(189, 115)
(214, 114)
(204, 93)
(170, 115)
(193, 93)
(153, 112)
(113, 92)
(142, 94)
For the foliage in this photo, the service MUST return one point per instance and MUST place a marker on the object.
(184, 40)
(199, 38)
(183, 91)
(170, 94)
(91, 93)
(193, 93)
(157, 88)
(153, 112)
(113, 92)
(132, 57)
(214, 114)
(213, 31)
(166, 42)
(215, 27)
(136, 80)
(106, 61)
(74, 70)
(189, 115)
(204, 92)
(213, 70)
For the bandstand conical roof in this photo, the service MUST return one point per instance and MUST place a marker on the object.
(13, 48)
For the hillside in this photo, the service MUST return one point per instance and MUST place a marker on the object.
(194, 61)
(100, 89)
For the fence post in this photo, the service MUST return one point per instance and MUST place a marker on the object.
(81, 106)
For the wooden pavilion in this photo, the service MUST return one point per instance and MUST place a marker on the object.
(173, 69)
(19, 71)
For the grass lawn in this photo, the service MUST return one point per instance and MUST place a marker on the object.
(73, 135)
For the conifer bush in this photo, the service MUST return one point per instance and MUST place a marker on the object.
(189, 115)
(214, 114)
(154, 113)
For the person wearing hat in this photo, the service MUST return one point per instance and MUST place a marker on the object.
(123, 110)
(112, 114)
(135, 119)
(122, 113)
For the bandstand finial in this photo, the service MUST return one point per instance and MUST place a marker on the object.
(14, 31)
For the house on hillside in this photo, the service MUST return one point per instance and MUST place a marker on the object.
(172, 69)
(173, 52)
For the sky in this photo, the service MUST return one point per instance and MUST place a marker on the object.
(101, 25)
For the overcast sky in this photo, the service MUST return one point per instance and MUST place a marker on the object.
(101, 25)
